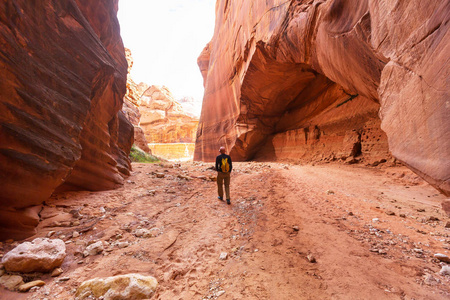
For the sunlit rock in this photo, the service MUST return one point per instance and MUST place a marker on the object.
(289, 80)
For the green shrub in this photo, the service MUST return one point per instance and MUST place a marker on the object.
(138, 155)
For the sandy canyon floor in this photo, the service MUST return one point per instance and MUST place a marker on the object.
(372, 231)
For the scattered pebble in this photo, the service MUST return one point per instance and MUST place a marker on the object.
(223, 256)
(296, 228)
(75, 234)
(442, 257)
(27, 286)
(390, 213)
(311, 258)
(63, 279)
(56, 272)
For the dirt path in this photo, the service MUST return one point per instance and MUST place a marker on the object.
(373, 233)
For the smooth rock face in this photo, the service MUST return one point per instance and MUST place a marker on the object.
(63, 81)
(124, 287)
(325, 80)
(40, 255)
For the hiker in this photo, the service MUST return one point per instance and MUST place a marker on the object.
(223, 168)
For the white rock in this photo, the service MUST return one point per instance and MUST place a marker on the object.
(445, 270)
(142, 233)
(40, 255)
(122, 245)
(124, 287)
(223, 256)
(75, 234)
(94, 249)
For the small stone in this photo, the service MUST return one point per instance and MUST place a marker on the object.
(420, 210)
(160, 175)
(311, 258)
(390, 213)
(56, 272)
(442, 257)
(76, 223)
(381, 251)
(375, 220)
(25, 287)
(296, 228)
(11, 282)
(94, 249)
(50, 233)
(223, 256)
(350, 213)
(402, 215)
(142, 233)
(220, 293)
(330, 192)
(64, 279)
(122, 245)
(102, 210)
(75, 234)
(433, 218)
(445, 270)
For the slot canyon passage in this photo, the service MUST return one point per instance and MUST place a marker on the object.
(336, 113)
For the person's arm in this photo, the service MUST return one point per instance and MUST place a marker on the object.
(231, 164)
(217, 164)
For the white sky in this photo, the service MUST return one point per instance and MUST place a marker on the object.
(165, 38)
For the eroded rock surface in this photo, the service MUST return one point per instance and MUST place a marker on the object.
(63, 81)
(325, 80)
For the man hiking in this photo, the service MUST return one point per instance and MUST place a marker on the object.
(223, 168)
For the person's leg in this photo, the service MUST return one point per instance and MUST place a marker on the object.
(227, 180)
(220, 185)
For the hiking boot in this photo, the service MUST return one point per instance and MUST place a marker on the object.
(228, 201)
(220, 198)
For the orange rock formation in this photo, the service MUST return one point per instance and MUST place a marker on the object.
(317, 80)
(61, 90)
(131, 103)
(163, 119)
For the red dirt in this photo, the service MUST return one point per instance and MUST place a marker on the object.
(332, 206)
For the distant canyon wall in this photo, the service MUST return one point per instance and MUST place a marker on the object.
(164, 119)
(63, 78)
(325, 80)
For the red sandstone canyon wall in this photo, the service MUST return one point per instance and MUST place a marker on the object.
(324, 80)
(63, 76)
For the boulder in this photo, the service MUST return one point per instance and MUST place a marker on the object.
(124, 287)
(40, 255)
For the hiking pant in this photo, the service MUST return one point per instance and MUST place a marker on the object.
(221, 179)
